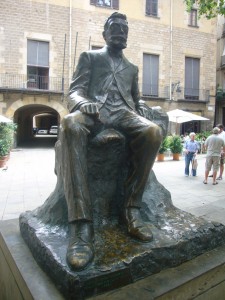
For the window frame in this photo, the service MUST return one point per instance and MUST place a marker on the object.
(37, 72)
(193, 18)
(192, 83)
(114, 4)
(148, 78)
(151, 8)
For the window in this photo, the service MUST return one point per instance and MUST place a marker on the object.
(150, 75)
(193, 18)
(223, 58)
(37, 64)
(151, 8)
(106, 3)
(96, 47)
(192, 73)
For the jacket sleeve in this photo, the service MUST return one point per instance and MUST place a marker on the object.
(135, 90)
(78, 88)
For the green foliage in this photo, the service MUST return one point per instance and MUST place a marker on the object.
(208, 8)
(7, 131)
(202, 135)
(164, 145)
(175, 144)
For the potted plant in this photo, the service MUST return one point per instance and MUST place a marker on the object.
(163, 148)
(175, 146)
(6, 141)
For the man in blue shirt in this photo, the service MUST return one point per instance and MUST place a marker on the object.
(191, 149)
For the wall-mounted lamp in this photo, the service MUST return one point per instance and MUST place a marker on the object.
(176, 87)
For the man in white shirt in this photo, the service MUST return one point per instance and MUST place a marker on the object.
(214, 143)
(222, 135)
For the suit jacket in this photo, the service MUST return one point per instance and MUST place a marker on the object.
(93, 76)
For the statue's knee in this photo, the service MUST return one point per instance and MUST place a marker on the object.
(66, 122)
(155, 134)
(71, 126)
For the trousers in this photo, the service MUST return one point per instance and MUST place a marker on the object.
(188, 159)
(143, 136)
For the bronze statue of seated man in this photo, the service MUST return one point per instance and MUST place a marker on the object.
(104, 94)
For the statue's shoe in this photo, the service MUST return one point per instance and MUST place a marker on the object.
(79, 255)
(80, 251)
(136, 227)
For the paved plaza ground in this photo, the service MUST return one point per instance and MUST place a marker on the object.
(29, 178)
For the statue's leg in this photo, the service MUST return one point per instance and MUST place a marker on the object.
(74, 137)
(144, 141)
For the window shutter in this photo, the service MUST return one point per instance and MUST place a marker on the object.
(188, 73)
(151, 7)
(32, 52)
(192, 73)
(154, 74)
(43, 54)
(93, 2)
(38, 53)
(146, 75)
(150, 75)
(148, 7)
(154, 7)
(115, 4)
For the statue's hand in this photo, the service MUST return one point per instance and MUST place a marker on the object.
(89, 109)
(143, 111)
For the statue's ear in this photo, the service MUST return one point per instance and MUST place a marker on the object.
(103, 34)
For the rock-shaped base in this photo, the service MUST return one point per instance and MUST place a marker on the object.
(120, 260)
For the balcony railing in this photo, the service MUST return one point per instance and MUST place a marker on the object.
(151, 90)
(196, 94)
(156, 91)
(59, 84)
(33, 82)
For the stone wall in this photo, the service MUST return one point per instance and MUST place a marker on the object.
(82, 24)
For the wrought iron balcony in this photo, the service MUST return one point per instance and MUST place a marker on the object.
(154, 91)
(178, 92)
(196, 94)
(33, 82)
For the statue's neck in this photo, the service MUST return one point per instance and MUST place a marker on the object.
(114, 52)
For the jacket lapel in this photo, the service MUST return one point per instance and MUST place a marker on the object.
(123, 64)
(106, 59)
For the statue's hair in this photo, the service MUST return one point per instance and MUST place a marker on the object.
(115, 15)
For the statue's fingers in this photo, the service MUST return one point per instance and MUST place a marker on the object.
(94, 109)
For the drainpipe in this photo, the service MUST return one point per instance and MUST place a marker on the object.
(171, 48)
(70, 40)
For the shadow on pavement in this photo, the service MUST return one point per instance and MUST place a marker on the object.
(47, 141)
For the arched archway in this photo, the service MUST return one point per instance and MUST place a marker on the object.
(24, 117)
(49, 112)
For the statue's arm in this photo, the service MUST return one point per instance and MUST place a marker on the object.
(77, 97)
(141, 107)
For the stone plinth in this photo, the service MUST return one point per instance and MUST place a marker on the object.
(201, 278)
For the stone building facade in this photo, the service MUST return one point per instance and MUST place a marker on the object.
(220, 72)
(172, 48)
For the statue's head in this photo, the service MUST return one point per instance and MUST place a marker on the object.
(116, 31)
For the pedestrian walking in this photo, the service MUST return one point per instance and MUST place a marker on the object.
(222, 135)
(213, 145)
(191, 149)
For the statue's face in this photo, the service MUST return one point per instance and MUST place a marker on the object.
(116, 34)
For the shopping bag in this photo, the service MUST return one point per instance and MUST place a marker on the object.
(194, 164)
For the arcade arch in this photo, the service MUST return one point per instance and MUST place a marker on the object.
(28, 112)
(28, 116)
